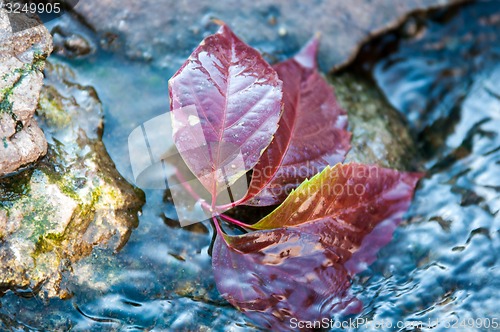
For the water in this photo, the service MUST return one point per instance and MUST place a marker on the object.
(446, 81)
(442, 263)
(162, 278)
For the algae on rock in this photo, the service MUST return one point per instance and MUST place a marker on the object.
(73, 201)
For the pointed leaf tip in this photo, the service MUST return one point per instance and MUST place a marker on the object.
(308, 54)
(224, 84)
(219, 22)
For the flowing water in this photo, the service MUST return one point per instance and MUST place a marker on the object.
(442, 73)
(443, 264)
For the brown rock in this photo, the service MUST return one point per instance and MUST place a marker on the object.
(22, 59)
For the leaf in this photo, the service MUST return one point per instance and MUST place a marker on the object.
(312, 132)
(302, 266)
(278, 274)
(226, 104)
(357, 194)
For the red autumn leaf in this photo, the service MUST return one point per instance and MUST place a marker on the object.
(226, 104)
(312, 132)
(278, 274)
(301, 268)
(225, 107)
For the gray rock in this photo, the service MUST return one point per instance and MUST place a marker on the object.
(22, 59)
(53, 215)
(167, 31)
(72, 39)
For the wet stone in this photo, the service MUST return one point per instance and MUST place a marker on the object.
(22, 59)
(379, 133)
(73, 201)
(72, 39)
(174, 28)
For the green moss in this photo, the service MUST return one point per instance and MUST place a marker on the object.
(38, 220)
(51, 108)
(18, 196)
(6, 104)
(57, 172)
(115, 196)
(68, 184)
(69, 188)
(14, 188)
(38, 61)
(96, 196)
(47, 243)
(37, 65)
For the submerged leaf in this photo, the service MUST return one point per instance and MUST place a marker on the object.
(301, 268)
(226, 104)
(312, 131)
(278, 274)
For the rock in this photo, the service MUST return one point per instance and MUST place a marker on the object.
(73, 45)
(74, 200)
(379, 133)
(22, 59)
(275, 27)
(72, 39)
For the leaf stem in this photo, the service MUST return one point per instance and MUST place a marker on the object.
(214, 210)
(235, 221)
(217, 226)
(230, 205)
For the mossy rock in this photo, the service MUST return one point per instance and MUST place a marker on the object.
(379, 133)
(74, 200)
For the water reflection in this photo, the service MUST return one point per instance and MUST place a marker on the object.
(446, 82)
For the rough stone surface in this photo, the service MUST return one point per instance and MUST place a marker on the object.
(379, 133)
(275, 27)
(22, 58)
(72, 202)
